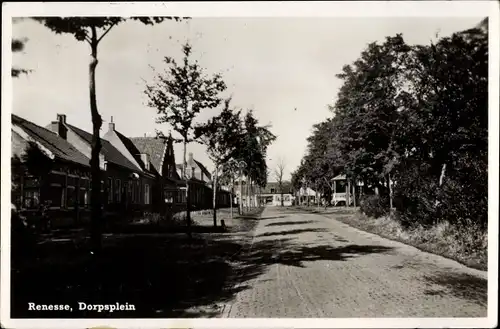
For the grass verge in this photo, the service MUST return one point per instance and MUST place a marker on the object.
(466, 246)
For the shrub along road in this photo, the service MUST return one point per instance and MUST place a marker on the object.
(306, 265)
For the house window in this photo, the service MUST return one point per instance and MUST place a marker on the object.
(146, 194)
(110, 190)
(71, 196)
(272, 191)
(118, 189)
(31, 199)
(83, 196)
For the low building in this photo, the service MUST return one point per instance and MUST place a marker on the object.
(276, 195)
(59, 178)
(201, 192)
(128, 187)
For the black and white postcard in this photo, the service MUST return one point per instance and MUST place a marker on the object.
(250, 164)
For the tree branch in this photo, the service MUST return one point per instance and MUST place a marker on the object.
(106, 32)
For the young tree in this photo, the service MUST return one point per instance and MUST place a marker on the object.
(178, 94)
(92, 30)
(221, 135)
(278, 174)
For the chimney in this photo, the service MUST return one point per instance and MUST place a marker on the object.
(111, 125)
(61, 118)
(59, 126)
(145, 160)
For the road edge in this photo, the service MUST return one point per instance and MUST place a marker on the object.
(456, 263)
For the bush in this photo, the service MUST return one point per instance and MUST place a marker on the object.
(23, 238)
(374, 205)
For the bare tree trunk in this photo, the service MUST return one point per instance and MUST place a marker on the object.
(441, 177)
(348, 194)
(248, 194)
(95, 197)
(390, 192)
(240, 203)
(231, 196)
(354, 193)
(251, 193)
(215, 197)
(281, 191)
(186, 179)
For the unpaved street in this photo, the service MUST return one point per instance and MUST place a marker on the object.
(308, 265)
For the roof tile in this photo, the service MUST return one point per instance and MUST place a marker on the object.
(57, 145)
(110, 152)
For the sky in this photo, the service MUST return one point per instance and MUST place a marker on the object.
(282, 68)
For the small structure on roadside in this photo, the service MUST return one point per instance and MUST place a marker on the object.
(340, 187)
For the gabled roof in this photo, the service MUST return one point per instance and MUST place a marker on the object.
(287, 188)
(111, 154)
(201, 166)
(204, 169)
(132, 148)
(339, 177)
(60, 147)
(155, 147)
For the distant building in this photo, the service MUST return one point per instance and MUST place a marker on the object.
(201, 184)
(273, 195)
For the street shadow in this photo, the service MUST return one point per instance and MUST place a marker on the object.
(292, 223)
(284, 252)
(290, 232)
(274, 217)
(162, 276)
(461, 285)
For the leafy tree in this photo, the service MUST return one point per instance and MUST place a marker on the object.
(367, 108)
(253, 151)
(179, 94)
(446, 130)
(417, 116)
(278, 174)
(222, 135)
(92, 30)
(17, 45)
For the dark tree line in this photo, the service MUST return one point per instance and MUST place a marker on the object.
(416, 116)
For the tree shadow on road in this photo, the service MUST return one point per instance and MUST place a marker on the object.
(285, 252)
(292, 223)
(290, 232)
(273, 217)
(461, 285)
(163, 276)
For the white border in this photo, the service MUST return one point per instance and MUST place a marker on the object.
(260, 9)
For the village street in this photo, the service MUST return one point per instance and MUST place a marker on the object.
(316, 266)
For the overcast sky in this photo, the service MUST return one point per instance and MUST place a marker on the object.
(273, 66)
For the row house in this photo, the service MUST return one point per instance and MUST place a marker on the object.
(128, 186)
(139, 174)
(201, 185)
(60, 177)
